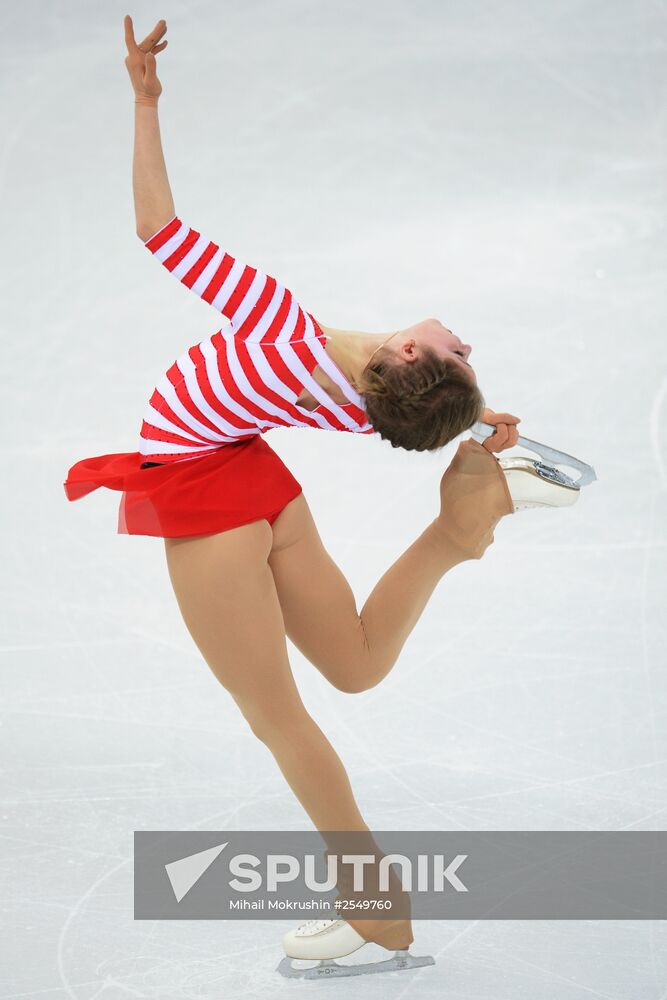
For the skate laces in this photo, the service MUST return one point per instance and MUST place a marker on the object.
(316, 925)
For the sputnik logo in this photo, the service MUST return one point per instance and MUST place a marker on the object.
(186, 872)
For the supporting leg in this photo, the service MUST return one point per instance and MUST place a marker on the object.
(227, 596)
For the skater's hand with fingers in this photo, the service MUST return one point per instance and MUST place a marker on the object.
(506, 433)
(140, 61)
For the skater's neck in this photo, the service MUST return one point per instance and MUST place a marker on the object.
(351, 350)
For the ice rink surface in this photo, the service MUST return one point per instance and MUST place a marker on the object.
(499, 166)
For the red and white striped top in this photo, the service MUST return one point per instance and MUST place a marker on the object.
(245, 379)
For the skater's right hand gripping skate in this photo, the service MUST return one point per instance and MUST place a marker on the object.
(506, 433)
(474, 495)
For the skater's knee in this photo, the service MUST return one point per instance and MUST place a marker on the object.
(264, 725)
(273, 725)
(358, 667)
(352, 683)
(361, 676)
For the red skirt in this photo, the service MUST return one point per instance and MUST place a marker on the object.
(238, 483)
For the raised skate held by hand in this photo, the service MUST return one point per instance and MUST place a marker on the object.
(506, 434)
(140, 61)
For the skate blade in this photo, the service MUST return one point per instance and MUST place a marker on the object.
(330, 969)
(481, 431)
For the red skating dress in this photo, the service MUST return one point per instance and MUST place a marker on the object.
(202, 464)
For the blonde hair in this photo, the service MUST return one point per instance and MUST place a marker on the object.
(419, 406)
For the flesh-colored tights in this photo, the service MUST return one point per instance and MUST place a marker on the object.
(243, 591)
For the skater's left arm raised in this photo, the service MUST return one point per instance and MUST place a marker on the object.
(153, 202)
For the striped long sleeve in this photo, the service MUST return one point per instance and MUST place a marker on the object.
(259, 307)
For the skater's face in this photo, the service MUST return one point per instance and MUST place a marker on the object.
(431, 333)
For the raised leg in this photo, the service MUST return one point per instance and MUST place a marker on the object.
(355, 650)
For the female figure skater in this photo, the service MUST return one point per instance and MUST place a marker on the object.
(244, 555)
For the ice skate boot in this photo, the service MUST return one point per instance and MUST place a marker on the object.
(324, 941)
(533, 484)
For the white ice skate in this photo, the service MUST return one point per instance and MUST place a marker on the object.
(325, 940)
(540, 484)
